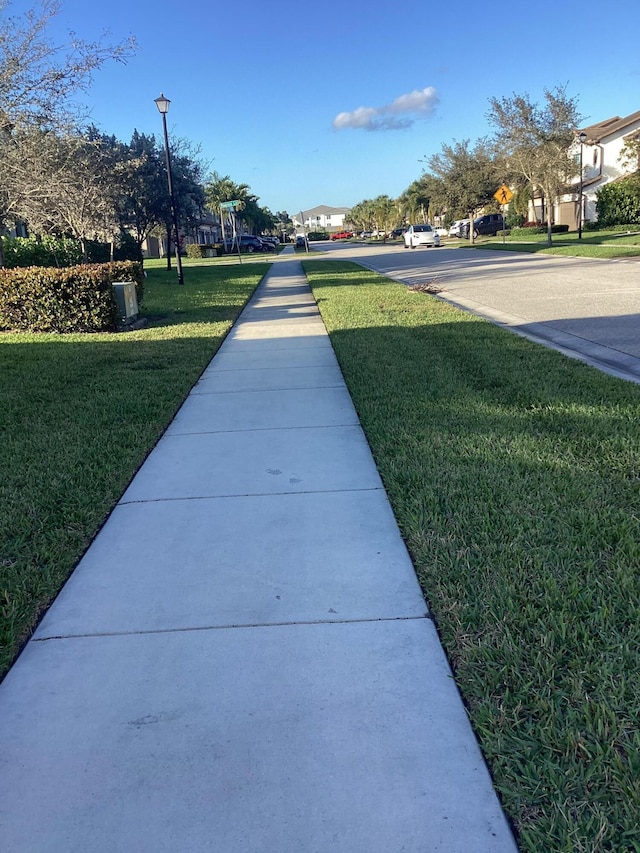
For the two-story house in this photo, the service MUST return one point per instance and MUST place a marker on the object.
(601, 164)
(321, 218)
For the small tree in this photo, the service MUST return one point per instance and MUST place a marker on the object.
(468, 176)
(60, 184)
(538, 141)
(630, 154)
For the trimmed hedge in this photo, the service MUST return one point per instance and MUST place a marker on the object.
(538, 229)
(71, 299)
(204, 250)
(627, 228)
(51, 251)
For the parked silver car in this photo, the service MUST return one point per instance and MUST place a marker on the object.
(420, 235)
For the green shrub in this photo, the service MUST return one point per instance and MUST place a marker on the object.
(127, 249)
(41, 252)
(65, 251)
(514, 219)
(70, 299)
(204, 250)
(318, 235)
(617, 229)
(526, 230)
(618, 203)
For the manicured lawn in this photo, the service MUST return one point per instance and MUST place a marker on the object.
(80, 413)
(514, 474)
(594, 244)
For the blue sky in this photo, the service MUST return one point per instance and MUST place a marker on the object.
(332, 103)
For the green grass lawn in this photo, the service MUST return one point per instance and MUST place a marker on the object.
(594, 244)
(514, 474)
(80, 413)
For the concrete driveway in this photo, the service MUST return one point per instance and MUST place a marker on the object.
(586, 308)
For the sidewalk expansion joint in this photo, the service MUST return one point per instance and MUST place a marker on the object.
(248, 495)
(233, 626)
(174, 433)
(197, 393)
(217, 369)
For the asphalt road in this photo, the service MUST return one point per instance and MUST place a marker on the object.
(588, 309)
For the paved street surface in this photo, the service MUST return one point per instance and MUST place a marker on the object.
(583, 307)
(243, 660)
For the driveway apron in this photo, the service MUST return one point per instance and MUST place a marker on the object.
(243, 660)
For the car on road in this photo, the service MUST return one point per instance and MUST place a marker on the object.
(454, 231)
(420, 235)
(397, 232)
(341, 235)
(487, 225)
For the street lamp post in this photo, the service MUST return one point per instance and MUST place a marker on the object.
(162, 104)
(582, 139)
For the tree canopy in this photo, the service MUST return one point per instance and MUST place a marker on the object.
(539, 140)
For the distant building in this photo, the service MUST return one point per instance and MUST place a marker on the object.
(321, 218)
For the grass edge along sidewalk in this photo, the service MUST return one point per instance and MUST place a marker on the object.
(514, 474)
(80, 413)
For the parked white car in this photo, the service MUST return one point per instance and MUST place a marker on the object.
(457, 227)
(420, 235)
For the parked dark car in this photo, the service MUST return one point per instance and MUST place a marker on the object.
(300, 241)
(249, 243)
(397, 232)
(487, 225)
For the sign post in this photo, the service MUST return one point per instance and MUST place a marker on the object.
(503, 195)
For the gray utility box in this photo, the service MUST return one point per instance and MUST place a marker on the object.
(125, 295)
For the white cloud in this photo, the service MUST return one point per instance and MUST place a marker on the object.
(416, 105)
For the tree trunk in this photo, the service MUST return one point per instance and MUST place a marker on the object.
(2, 260)
(85, 252)
(549, 218)
(169, 248)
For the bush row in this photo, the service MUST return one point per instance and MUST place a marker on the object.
(204, 250)
(68, 299)
(619, 229)
(537, 228)
(64, 251)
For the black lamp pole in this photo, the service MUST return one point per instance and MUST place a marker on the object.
(582, 138)
(162, 104)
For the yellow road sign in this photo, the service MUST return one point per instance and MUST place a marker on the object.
(503, 194)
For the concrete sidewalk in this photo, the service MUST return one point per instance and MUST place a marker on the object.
(243, 660)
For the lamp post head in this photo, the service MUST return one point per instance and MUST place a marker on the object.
(162, 104)
(582, 137)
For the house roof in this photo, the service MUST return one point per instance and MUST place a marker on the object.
(324, 210)
(597, 132)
